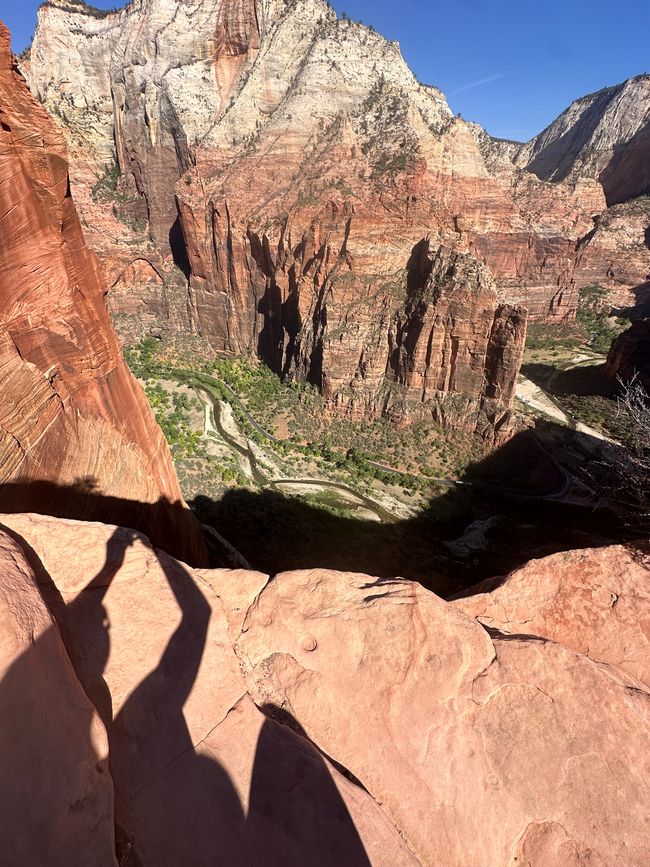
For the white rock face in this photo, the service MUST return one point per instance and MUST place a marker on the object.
(587, 141)
(164, 79)
(69, 72)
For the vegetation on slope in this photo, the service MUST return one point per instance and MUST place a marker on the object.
(80, 6)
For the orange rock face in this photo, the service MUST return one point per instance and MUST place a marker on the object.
(616, 255)
(200, 775)
(53, 757)
(71, 413)
(431, 338)
(457, 743)
(459, 730)
(595, 602)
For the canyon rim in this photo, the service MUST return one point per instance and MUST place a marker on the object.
(324, 426)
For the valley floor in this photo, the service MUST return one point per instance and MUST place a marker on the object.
(261, 463)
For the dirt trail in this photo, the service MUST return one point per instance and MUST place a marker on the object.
(535, 397)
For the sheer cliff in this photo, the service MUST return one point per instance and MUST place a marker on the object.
(629, 357)
(603, 136)
(71, 413)
(260, 173)
(196, 99)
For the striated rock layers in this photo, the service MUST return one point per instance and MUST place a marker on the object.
(307, 268)
(71, 414)
(290, 164)
(270, 87)
(397, 729)
(604, 136)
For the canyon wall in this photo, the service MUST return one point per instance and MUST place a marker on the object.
(629, 357)
(72, 418)
(256, 176)
(604, 136)
(172, 84)
(248, 133)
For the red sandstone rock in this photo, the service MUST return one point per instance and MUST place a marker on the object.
(56, 795)
(70, 412)
(616, 255)
(475, 749)
(596, 602)
(482, 750)
(200, 775)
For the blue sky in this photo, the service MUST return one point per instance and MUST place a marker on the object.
(511, 65)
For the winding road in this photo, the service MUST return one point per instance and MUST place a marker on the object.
(558, 492)
(214, 427)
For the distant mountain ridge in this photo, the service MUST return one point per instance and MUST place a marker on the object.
(604, 136)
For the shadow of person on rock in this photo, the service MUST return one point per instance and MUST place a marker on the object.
(53, 783)
(173, 805)
(174, 800)
(85, 627)
(193, 816)
(292, 788)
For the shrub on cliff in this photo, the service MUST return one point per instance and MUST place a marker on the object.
(105, 189)
(624, 476)
(593, 318)
(83, 8)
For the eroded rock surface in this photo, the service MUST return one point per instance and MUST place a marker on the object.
(629, 357)
(481, 750)
(56, 794)
(201, 776)
(596, 602)
(71, 413)
(603, 136)
(461, 744)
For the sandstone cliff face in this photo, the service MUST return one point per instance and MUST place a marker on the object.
(70, 413)
(604, 136)
(616, 254)
(430, 337)
(291, 129)
(276, 148)
(462, 740)
(217, 82)
(629, 357)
